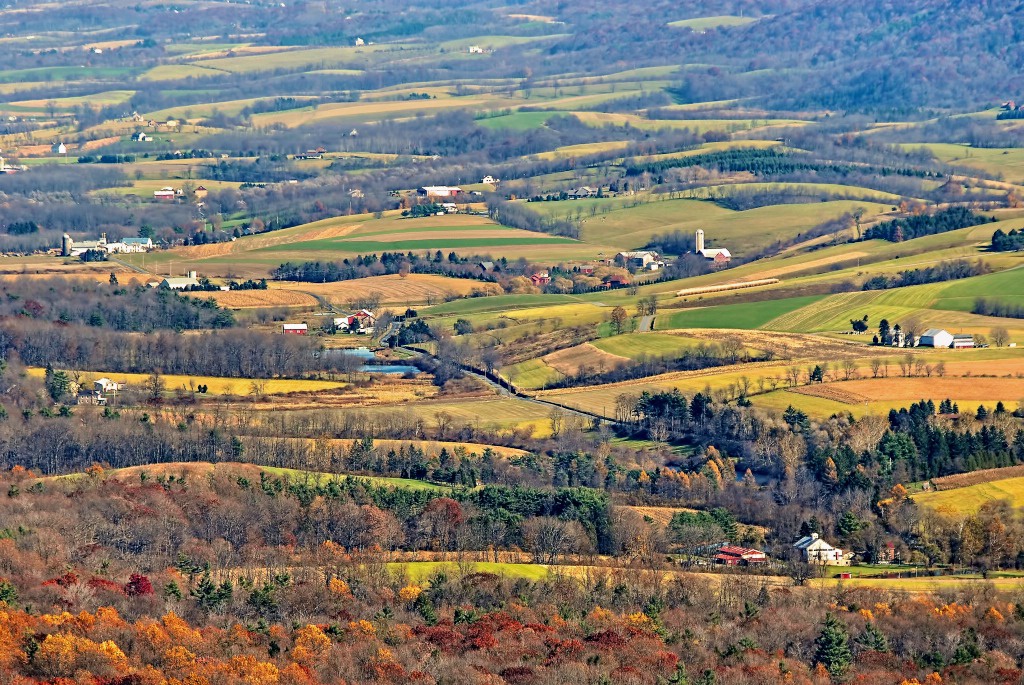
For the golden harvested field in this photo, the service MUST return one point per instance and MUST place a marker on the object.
(372, 111)
(962, 480)
(245, 299)
(217, 386)
(568, 361)
(968, 499)
(413, 289)
(987, 390)
(583, 149)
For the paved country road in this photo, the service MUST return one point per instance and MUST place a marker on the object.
(646, 324)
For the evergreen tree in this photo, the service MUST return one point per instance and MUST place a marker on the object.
(832, 648)
(872, 638)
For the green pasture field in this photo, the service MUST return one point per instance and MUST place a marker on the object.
(1005, 163)
(743, 316)
(629, 227)
(517, 121)
(64, 74)
(704, 23)
(496, 304)
(531, 374)
(636, 345)
(1004, 286)
(823, 191)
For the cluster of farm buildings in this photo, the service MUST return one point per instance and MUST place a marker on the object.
(812, 549)
(360, 323)
(71, 248)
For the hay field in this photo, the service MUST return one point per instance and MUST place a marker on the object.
(583, 149)
(103, 99)
(960, 389)
(413, 289)
(504, 414)
(217, 386)
(176, 72)
(375, 110)
(569, 361)
(969, 499)
(251, 299)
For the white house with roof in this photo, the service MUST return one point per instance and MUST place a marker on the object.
(814, 550)
(180, 283)
(439, 191)
(640, 259)
(138, 244)
(935, 337)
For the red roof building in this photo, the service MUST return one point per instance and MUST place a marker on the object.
(739, 556)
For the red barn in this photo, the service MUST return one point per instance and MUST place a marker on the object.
(739, 556)
(295, 328)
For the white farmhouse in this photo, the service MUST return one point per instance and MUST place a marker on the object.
(814, 550)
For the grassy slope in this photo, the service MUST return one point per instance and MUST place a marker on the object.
(969, 499)
(747, 315)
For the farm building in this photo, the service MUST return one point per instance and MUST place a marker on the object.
(963, 342)
(615, 281)
(935, 337)
(540, 278)
(59, 149)
(814, 550)
(180, 283)
(69, 248)
(640, 259)
(740, 556)
(720, 256)
(295, 328)
(138, 244)
(167, 193)
(439, 191)
(106, 386)
(141, 137)
(488, 179)
(360, 322)
(582, 192)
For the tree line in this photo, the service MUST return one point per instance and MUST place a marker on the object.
(942, 221)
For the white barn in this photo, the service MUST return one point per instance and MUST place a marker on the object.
(935, 337)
